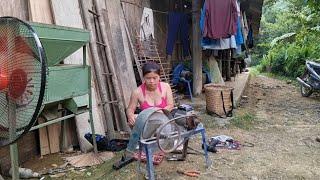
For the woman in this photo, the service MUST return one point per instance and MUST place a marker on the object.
(151, 93)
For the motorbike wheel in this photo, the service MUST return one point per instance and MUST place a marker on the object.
(305, 91)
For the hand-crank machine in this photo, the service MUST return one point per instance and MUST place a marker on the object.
(157, 129)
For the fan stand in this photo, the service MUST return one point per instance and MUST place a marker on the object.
(12, 115)
(13, 147)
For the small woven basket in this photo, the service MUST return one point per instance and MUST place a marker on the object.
(219, 99)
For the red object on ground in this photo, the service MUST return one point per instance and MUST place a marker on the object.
(191, 173)
(3, 81)
(157, 158)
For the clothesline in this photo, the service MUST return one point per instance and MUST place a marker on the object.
(154, 10)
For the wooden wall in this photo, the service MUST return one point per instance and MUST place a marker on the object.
(161, 23)
(15, 8)
(133, 12)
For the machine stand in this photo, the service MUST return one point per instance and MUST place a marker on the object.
(147, 146)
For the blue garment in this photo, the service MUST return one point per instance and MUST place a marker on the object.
(239, 37)
(202, 17)
(180, 67)
(176, 73)
(178, 22)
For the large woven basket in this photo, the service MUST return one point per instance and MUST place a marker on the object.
(219, 99)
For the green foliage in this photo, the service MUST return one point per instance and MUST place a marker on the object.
(287, 54)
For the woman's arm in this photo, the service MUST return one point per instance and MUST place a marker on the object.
(132, 107)
(169, 95)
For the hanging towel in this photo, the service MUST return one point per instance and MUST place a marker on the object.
(220, 19)
(147, 24)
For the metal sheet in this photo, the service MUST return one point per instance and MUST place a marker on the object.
(66, 82)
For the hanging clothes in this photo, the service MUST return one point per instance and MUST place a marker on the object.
(239, 37)
(215, 44)
(147, 24)
(219, 44)
(250, 37)
(243, 28)
(220, 19)
(245, 25)
(178, 24)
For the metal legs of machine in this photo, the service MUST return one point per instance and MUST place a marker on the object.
(149, 145)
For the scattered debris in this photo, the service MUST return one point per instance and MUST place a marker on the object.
(57, 175)
(245, 97)
(89, 159)
(25, 173)
(191, 173)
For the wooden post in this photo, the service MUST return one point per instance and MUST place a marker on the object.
(228, 71)
(196, 49)
(14, 155)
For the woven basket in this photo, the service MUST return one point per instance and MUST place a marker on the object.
(219, 99)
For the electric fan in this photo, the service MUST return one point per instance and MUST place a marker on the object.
(23, 72)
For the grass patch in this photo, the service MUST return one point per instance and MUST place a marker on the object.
(254, 71)
(208, 121)
(244, 121)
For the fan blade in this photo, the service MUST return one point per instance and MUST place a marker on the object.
(18, 83)
(3, 81)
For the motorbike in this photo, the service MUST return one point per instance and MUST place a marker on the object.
(310, 80)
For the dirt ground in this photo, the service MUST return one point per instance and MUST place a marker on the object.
(272, 115)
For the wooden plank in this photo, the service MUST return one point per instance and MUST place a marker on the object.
(71, 10)
(110, 57)
(54, 131)
(40, 11)
(43, 137)
(214, 71)
(14, 8)
(118, 44)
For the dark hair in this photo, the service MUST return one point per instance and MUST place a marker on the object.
(149, 67)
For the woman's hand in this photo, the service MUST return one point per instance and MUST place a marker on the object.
(170, 103)
(131, 120)
(132, 107)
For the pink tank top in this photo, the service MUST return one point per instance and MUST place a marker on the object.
(144, 105)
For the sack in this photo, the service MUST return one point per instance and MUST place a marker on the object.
(104, 145)
(219, 99)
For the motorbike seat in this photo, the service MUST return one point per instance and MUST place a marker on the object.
(313, 64)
